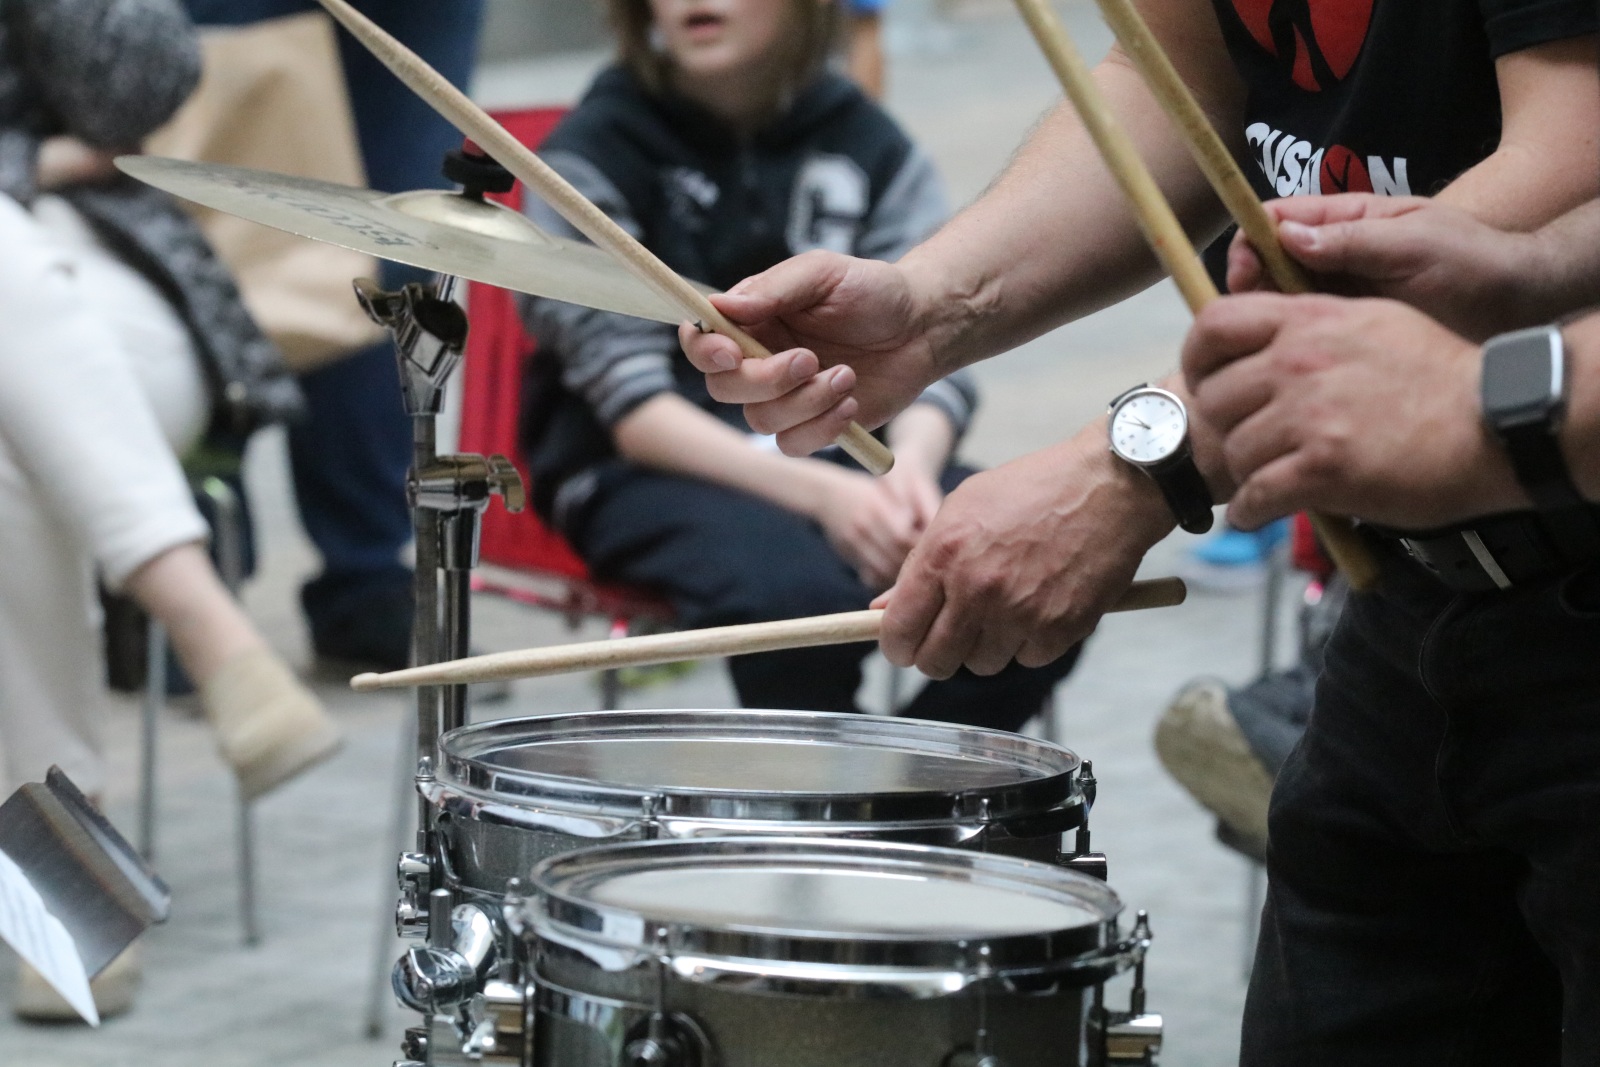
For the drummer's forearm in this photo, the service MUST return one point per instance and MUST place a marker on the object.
(1053, 239)
(668, 433)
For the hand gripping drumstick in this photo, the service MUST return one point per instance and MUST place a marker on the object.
(1155, 216)
(851, 626)
(570, 204)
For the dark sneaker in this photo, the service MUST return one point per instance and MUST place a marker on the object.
(375, 635)
(372, 633)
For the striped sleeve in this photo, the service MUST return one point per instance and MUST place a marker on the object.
(614, 362)
(956, 396)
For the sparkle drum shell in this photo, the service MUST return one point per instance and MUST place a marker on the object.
(750, 952)
(514, 792)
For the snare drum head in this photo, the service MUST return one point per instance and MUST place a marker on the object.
(786, 899)
(767, 764)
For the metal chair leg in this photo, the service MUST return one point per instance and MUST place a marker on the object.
(611, 680)
(1271, 606)
(229, 519)
(155, 699)
(246, 834)
(610, 690)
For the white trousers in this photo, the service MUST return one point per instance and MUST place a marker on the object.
(100, 386)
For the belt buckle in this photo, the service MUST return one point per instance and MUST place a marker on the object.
(1479, 551)
(1485, 558)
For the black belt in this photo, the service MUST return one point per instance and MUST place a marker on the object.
(1504, 551)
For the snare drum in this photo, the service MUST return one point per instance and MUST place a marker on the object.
(511, 793)
(508, 795)
(745, 952)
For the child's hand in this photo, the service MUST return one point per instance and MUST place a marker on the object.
(65, 161)
(872, 525)
(914, 491)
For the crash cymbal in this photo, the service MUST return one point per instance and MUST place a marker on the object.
(431, 229)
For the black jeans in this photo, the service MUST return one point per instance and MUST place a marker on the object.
(724, 557)
(1435, 837)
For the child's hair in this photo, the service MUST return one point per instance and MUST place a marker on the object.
(818, 24)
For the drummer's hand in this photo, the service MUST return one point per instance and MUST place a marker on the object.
(872, 524)
(1475, 279)
(1022, 560)
(1357, 407)
(848, 341)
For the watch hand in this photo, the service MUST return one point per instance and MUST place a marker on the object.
(1136, 422)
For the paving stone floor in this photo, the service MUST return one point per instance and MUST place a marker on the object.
(969, 90)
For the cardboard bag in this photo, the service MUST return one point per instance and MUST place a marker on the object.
(272, 96)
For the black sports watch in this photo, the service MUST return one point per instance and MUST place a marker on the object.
(1524, 394)
(1149, 428)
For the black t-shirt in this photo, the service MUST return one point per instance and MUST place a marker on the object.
(1388, 96)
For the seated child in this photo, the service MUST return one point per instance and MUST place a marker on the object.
(725, 144)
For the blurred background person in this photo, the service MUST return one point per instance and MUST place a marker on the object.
(125, 342)
(865, 61)
(349, 457)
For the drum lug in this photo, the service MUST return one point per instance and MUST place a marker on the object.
(1083, 858)
(1132, 1036)
(1091, 863)
(414, 875)
(414, 1045)
(1132, 1039)
(1058, 820)
(452, 968)
(969, 1058)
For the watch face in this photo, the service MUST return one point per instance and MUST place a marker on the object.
(1522, 376)
(1148, 427)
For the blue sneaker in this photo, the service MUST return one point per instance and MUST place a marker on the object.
(1232, 560)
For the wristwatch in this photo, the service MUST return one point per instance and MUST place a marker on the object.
(1150, 430)
(1524, 394)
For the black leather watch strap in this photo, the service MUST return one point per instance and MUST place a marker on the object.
(1541, 469)
(1186, 493)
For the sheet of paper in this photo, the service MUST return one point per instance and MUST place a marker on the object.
(27, 926)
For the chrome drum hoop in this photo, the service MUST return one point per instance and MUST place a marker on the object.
(1069, 937)
(513, 792)
(946, 772)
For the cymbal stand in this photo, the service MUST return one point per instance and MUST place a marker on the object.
(430, 333)
(448, 495)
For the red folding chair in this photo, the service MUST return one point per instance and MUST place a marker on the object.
(522, 558)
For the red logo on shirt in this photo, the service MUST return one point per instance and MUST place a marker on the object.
(1343, 172)
(1316, 40)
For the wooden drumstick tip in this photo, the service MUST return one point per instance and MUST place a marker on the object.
(866, 450)
(1347, 550)
(366, 682)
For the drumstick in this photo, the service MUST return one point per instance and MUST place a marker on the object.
(1161, 227)
(570, 204)
(1213, 157)
(839, 629)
